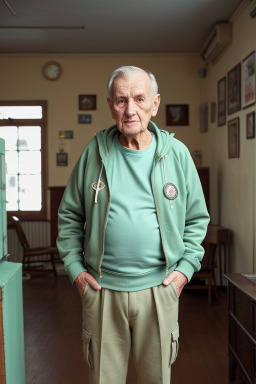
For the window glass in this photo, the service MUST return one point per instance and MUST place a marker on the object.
(29, 138)
(10, 136)
(12, 192)
(21, 112)
(30, 192)
(11, 158)
(29, 162)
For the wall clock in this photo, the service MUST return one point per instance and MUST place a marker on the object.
(52, 70)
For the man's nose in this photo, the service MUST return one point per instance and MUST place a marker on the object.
(130, 108)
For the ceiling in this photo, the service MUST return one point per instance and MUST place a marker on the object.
(109, 26)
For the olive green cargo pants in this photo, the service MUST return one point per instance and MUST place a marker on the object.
(114, 322)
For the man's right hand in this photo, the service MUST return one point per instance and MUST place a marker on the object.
(83, 279)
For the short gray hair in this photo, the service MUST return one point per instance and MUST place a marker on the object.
(127, 70)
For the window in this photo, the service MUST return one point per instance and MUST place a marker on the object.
(23, 126)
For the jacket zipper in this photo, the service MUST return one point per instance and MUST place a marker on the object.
(159, 221)
(104, 229)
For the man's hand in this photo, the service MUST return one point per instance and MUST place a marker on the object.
(83, 279)
(178, 278)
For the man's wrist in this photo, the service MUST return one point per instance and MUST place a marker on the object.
(74, 269)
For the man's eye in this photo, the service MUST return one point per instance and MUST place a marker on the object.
(140, 99)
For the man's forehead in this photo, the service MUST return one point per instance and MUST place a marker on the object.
(118, 88)
(134, 84)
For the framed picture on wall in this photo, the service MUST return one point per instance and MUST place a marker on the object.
(234, 89)
(87, 102)
(233, 138)
(222, 101)
(177, 114)
(248, 80)
(250, 125)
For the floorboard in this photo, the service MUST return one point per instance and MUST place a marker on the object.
(53, 352)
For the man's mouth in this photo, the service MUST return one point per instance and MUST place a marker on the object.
(130, 121)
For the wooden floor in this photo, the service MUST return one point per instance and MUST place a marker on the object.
(52, 321)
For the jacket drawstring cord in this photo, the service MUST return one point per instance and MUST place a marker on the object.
(163, 168)
(98, 185)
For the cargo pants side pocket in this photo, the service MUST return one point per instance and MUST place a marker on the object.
(174, 345)
(86, 340)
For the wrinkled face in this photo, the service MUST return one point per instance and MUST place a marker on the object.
(132, 103)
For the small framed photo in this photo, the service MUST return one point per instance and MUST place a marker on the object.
(87, 102)
(66, 134)
(233, 138)
(221, 96)
(177, 114)
(248, 80)
(234, 89)
(62, 159)
(203, 109)
(84, 119)
(250, 125)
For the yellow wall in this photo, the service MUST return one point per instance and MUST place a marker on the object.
(233, 180)
(21, 79)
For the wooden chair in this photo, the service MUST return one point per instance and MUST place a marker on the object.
(206, 273)
(29, 253)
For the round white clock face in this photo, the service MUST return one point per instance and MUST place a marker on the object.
(52, 70)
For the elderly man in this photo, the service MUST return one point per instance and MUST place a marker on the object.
(131, 222)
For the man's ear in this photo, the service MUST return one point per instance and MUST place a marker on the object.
(156, 104)
(110, 104)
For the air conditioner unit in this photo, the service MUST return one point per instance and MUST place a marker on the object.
(219, 38)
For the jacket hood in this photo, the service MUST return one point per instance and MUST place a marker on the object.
(105, 139)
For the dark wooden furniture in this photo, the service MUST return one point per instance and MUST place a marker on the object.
(204, 175)
(242, 327)
(29, 253)
(206, 273)
(216, 238)
(56, 194)
(215, 243)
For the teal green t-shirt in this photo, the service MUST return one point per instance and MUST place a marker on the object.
(133, 255)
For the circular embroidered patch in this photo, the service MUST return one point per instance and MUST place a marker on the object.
(170, 191)
(102, 186)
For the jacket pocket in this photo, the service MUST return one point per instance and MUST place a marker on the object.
(174, 345)
(86, 339)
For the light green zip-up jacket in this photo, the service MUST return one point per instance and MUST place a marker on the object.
(83, 211)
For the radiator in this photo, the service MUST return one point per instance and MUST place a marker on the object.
(37, 233)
